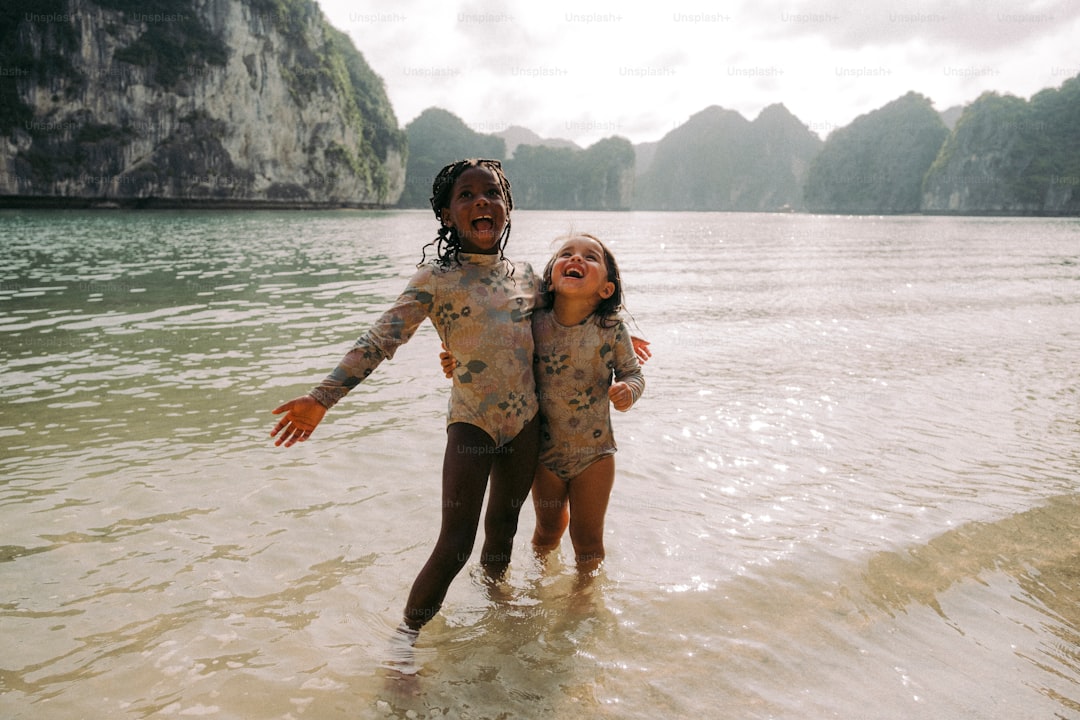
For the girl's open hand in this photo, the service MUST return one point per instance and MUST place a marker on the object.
(621, 396)
(302, 416)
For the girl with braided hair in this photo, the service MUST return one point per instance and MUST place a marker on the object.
(481, 305)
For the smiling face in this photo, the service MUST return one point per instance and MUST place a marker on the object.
(477, 210)
(580, 270)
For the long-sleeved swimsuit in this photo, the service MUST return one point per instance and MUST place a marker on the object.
(574, 369)
(482, 313)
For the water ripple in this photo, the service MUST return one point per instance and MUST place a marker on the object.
(855, 461)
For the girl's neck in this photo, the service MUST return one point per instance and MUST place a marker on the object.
(572, 311)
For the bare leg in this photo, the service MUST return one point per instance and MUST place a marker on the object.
(551, 503)
(589, 495)
(466, 465)
(511, 480)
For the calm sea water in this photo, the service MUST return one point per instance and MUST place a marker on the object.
(852, 489)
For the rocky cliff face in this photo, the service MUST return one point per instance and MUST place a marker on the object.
(718, 160)
(1010, 156)
(600, 177)
(241, 102)
(877, 163)
(976, 167)
(554, 175)
(437, 138)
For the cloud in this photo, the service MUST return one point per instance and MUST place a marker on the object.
(589, 71)
(981, 26)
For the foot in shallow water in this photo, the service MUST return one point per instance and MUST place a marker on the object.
(401, 653)
(496, 585)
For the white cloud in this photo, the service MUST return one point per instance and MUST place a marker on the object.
(585, 72)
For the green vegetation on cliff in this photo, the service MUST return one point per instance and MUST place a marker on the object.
(436, 139)
(1011, 156)
(174, 41)
(600, 177)
(1055, 144)
(96, 138)
(877, 163)
(336, 66)
(21, 61)
(543, 178)
(720, 161)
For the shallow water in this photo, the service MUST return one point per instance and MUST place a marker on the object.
(851, 488)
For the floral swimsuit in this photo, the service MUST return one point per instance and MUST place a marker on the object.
(574, 368)
(482, 314)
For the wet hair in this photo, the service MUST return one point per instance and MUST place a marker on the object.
(607, 312)
(448, 245)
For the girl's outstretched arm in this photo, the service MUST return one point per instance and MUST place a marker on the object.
(302, 416)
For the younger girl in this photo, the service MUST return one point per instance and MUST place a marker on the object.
(580, 344)
(481, 305)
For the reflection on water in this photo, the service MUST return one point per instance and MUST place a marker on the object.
(852, 482)
(1043, 542)
(1038, 550)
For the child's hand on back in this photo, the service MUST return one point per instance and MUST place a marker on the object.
(641, 348)
(448, 362)
(621, 396)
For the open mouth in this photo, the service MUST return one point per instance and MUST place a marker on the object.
(573, 273)
(483, 224)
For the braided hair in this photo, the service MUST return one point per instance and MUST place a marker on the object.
(448, 245)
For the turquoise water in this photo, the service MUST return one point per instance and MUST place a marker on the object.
(851, 488)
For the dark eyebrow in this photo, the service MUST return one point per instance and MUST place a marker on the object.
(493, 185)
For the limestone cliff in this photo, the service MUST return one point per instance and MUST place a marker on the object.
(191, 102)
(557, 175)
(720, 161)
(437, 137)
(1010, 156)
(877, 163)
(600, 177)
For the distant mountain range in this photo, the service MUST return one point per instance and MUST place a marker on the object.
(718, 160)
(999, 155)
(548, 175)
(877, 163)
(253, 103)
(516, 135)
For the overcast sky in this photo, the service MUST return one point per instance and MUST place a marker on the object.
(589, 70)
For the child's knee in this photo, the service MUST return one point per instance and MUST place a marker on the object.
(546, 537)
(454, 551)
(502, 522)
(587, 543)
(550, 526)
(589, 549)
